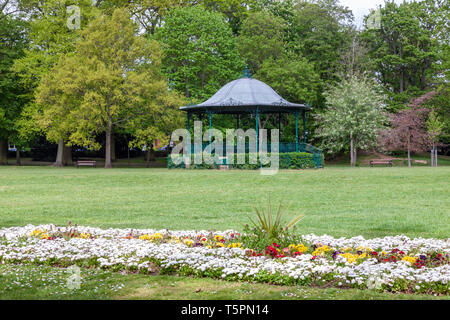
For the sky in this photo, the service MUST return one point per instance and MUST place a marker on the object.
(361, 8)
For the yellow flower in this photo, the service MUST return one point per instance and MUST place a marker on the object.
(188, 242)
(218, 237)
(350, 257)
(44, 235)
(219, 244)
(321, 250)
(298, 248)
(364, 249)
(156, 236)
(152, 237)
(40, 234)
(411, 260)
(144, 237)
(36, 233)
(235, 245)
(85, 235)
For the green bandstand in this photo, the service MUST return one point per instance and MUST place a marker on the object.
(251, 96)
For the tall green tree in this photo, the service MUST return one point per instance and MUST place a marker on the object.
(200, 53)
(50, 38)
(353, 116)
(261, 38)
(13, 42)
(158, 124)
(408, 47)
(320, 31)
(440, 105)
(293, 78)
(151, 14)
(113, 79)
(235, 11)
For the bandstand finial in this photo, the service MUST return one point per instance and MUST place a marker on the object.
(247, 73)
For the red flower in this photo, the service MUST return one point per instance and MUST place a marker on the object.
(374, 253)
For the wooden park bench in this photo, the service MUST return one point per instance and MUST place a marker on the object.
(380, 161)
(86, 163)
(420, 161)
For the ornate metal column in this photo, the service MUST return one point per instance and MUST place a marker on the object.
(304, 126)
(257, 129)
(210, 125)
(296, 131)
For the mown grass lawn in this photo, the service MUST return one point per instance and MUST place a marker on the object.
(372, 202)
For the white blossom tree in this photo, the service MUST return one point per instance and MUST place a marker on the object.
(353, 116)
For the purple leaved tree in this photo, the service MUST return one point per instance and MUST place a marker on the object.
(408, 129)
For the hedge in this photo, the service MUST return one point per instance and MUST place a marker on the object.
(287, 160)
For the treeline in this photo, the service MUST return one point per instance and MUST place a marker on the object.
(123, 68)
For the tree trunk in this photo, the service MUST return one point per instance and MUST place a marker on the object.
(18, 162)
(432, 155)
(128, 151)
(352, 152)
(108, 148)
(152, 154)
(59, 154)
(67, 156)
(409, 151)
(3, 152)
(435, 157)
(409, 158)
(147, 161)
(113, 148)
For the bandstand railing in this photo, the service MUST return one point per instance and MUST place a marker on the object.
(291, 155)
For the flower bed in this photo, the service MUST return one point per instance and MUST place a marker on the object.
(392, 263)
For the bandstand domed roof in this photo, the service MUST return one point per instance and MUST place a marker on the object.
(244, 95)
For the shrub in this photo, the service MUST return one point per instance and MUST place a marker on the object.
(268, 229)
(287, 160)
